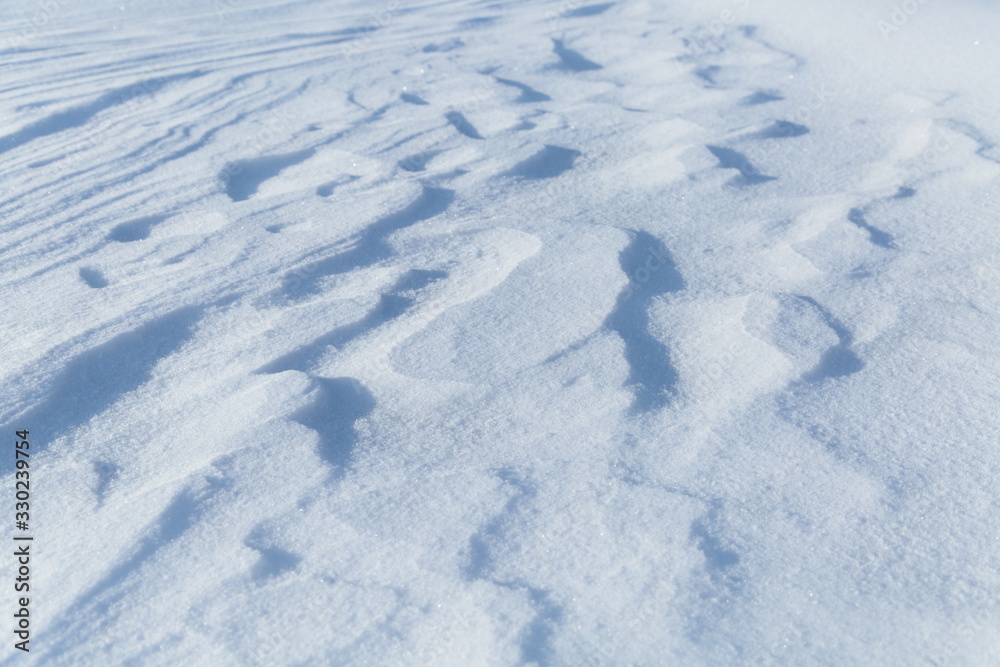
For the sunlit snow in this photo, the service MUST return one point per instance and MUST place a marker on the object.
(464, 332)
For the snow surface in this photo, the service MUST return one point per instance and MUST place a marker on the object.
(440, 332)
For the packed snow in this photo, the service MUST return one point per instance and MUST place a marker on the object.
(503, 332)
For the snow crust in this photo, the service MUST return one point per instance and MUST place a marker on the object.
(458, 332)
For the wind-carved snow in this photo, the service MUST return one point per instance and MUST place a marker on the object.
(518, 333)
(651, 272)
(730, 159)
(570, 59)
(528, 94)
(369, 246)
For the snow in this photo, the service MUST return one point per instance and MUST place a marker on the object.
(452, 332)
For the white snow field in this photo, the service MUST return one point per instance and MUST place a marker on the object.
(505, 332)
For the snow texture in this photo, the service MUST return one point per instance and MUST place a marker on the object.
(464, 332)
